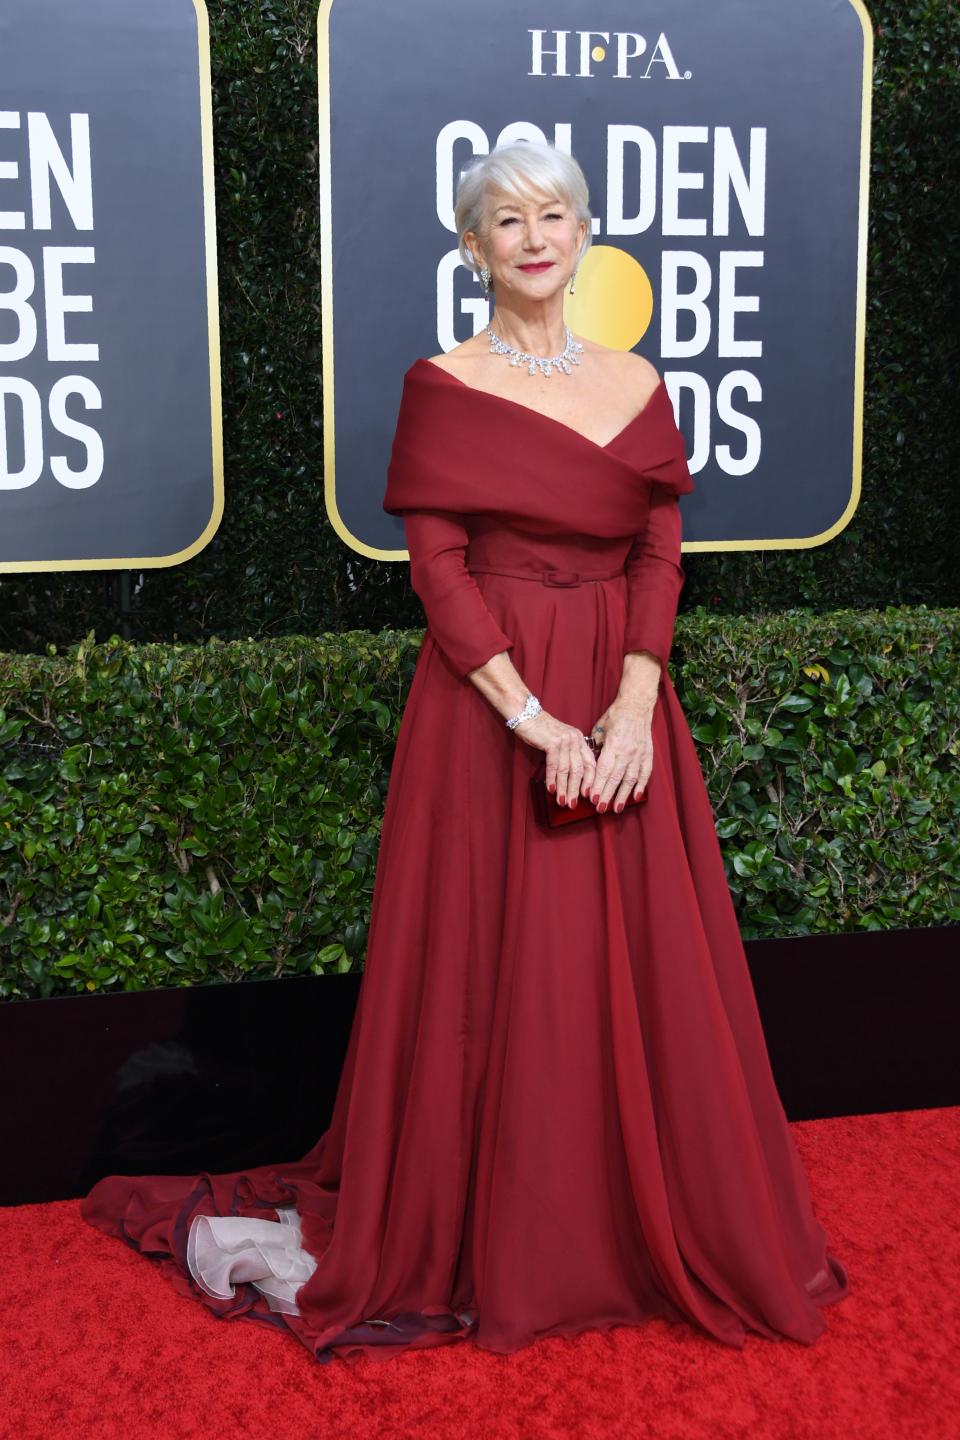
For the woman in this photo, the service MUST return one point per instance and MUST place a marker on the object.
(556, 1111)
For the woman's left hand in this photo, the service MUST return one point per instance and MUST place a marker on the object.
(625, 760)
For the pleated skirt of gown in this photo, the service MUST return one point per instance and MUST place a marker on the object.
(556, 1111)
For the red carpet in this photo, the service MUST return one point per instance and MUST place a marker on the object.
(95, 1341)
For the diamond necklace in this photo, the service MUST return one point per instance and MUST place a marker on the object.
(569, 356)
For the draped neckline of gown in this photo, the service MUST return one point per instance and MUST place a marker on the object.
(560, 424)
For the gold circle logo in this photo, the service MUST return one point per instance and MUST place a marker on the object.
(613, 301)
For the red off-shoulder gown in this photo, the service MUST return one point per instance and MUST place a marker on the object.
(557, 1111)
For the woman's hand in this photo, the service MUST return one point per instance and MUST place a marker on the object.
(626, 759)
(571, 764)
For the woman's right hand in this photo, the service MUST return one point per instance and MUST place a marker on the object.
(570, 759)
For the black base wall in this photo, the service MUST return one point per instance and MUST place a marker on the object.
(224, 1076)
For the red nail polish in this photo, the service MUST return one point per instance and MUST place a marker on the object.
(602, 808)
(595, 797)
(619, 807)
(551, 787)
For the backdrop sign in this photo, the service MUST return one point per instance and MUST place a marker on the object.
(110, 433)
(726, 147)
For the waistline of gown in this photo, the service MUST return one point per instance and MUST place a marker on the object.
(550, 577)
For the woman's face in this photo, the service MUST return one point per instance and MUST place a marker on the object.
(520, 234)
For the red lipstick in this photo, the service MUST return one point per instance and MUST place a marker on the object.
(536, 268)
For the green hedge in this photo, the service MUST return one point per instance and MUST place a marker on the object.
(174, 815)
(277, 567)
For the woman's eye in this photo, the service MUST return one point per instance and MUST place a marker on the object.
(510, 219)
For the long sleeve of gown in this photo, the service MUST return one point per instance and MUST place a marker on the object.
(457, 614)
(655, 578)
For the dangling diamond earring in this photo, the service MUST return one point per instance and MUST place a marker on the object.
(573, 278)
(485, 279)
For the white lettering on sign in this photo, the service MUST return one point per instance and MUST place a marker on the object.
(692, 183)
(48, 172)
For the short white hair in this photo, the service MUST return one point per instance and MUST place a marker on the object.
(521, 169)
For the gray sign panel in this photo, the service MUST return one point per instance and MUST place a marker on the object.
(110, 428)
(726, 147)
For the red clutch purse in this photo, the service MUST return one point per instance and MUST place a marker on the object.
(551, 813)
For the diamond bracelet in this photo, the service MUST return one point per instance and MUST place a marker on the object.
(531, 708)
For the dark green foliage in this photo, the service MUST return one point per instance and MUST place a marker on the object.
(277, 567)
(175, 815)
(171, 815)
(831, 748)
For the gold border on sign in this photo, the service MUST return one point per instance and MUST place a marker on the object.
(326, 313)
(326, 298)
(806, 542)
(156, 562)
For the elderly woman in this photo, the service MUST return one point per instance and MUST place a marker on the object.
(556, 1111)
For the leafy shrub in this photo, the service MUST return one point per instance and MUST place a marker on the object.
(179, 815)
